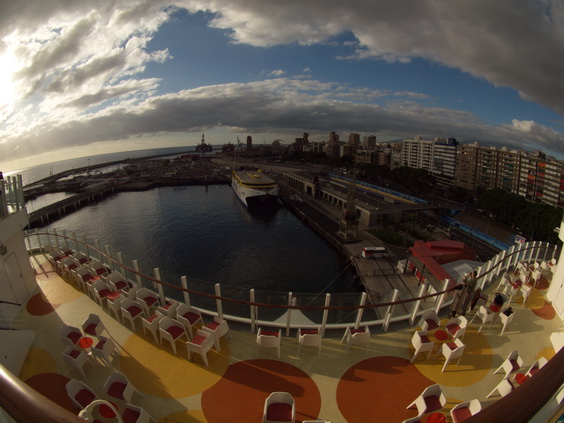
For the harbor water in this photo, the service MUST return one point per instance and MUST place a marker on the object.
(206, 234)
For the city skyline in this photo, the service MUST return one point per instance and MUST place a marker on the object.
(91, 78)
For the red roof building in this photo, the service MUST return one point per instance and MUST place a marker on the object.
(431, 255)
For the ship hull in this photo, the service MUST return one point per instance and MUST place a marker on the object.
(254, 189)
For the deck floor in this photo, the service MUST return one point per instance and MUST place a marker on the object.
(361, 386)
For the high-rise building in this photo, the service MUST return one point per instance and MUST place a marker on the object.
(438, 156)
(532, 176)
(249, 142)
(369, 141)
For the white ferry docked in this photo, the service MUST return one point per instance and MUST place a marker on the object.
(253, 186)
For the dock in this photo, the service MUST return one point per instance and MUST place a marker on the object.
(378, 276)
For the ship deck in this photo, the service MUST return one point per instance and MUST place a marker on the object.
(254, 178)
(374, 384)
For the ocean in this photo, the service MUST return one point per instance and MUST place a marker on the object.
(206, 234)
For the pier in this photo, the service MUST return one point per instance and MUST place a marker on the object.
(56, 210)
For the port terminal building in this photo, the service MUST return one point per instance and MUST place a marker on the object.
(373, 202)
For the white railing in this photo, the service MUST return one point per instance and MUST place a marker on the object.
(286, 310)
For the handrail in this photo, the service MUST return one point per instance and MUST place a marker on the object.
(525, 401)
(25, 405)
(277, 306)
(245, 302)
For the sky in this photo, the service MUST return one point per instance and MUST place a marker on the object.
(80, 78)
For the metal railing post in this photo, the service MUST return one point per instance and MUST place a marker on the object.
(218, 302)
(137, 277)
(390, 310)
(109, 254)
(159, 287)
(291, 301)
(441, 297)
(325, 313)
(253, 310)
(87, 253)
(360, 311)
(416, 304)
(184, 283)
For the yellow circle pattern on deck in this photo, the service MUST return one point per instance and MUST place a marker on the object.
(37, 362)
(155, 370)
(474, 365)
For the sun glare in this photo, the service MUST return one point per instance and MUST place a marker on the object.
(8, 65)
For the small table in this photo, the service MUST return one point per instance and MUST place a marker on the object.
(494, 308)
(441, 336)
(85, 342)
(521, 378)
(436, 418)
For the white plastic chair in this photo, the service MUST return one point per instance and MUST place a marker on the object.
(80, 393)
(68, 264)
(525, 292)
(171, 330)
(279, 407)
(200, 344)
(464, 410)
(359, 336)
(70, 335)
(131, 310)
(76, 359)
(134, 414)
(148, 299)
(81, 257)
(188, 316)
(511, 364)
(218, 327)
(505, 320)
(421, 342)
(100, 291)
(104, 349)
(82, 276)
(118, 386)
(169, 308)
(93, 325)
(484, 315)
(504, 387)
(118, 282)
(151, 324)
(536, 366)
(429, 320)
(309, 338)
(456, 327)
(114, 307)
(535, 277)
(431, 399)
(451, 351)
(97, 267)
(269, 339)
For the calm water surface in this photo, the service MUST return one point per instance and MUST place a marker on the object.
(206, 233)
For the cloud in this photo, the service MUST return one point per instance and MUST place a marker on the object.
(278, 72)
(80, 64)
(277, 106)
(512, 43)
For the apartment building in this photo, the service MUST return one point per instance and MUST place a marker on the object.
(438, 156)
(530, 175)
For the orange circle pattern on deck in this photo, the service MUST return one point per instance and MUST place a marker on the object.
(246, 385)
(379, 389)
